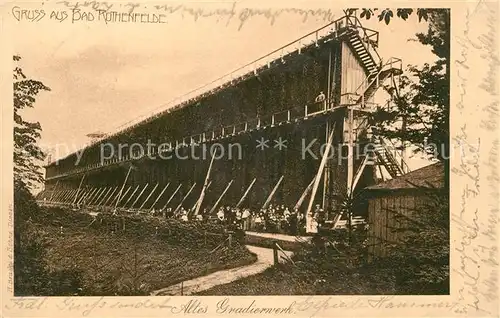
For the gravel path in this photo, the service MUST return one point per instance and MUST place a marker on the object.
(264, 260)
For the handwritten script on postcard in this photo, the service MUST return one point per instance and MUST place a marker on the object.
(477, 165)
(475, 154)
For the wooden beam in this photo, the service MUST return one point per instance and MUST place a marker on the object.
(202, 194)
(78, 191)
(198, 201)
(269, 198)
(123, 186)
(158, 198)
(309, 228)
(93, 196)
(172, 196)
(138, 197)
(185, 197)
(85, 194)
(131, 196)
(124, 195)
(105, 202)
(246, 193)
(304, 194)
(100, 200)
(220, 198)
(149, 196)
(52, 194)
(98, 196)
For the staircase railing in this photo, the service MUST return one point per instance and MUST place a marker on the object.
(370, 48)
(399, 160)
(391, 63)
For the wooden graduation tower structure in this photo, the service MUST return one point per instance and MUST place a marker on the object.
(313, 152)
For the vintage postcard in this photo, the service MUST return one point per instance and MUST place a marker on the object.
(249, 158)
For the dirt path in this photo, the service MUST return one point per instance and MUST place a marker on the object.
(264, 260)
(283, 237)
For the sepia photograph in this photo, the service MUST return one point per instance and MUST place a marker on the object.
(224, 151)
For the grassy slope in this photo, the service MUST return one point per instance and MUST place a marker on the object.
(110, 261)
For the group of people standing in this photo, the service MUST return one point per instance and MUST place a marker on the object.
(273, 219)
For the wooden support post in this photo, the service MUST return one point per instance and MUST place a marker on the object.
(149, 196)
(269, 198)
(109, 197)
(172, 196)
(78, 190)
(98, 197)
(309, 227)
(275, 253)
(326, 173)
(131, 196)
(123, 196)
(246, 193)
(91, 197)
(185, 197)
(158, 198)
(358, 174)
(202, 194)
(60, 195)
(88, 196)
(123, 186)
(220, 197)
(100, 200)
(304, 194)
(85, 194)
(70, 194)
(139, 196)
(53, 191)
(350, 151)
(198, 201)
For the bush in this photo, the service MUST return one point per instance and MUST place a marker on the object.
(31, 274)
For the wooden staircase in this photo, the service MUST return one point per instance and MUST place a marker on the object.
(387, 159)
(377, 71)
(362, 50)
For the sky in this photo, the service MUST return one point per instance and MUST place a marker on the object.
(102, 75)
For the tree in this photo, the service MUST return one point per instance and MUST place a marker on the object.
(27, 154)
(423, 104)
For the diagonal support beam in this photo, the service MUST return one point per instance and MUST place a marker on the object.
(304, 194)
(220, 198)
(121, 190)
(109, 198)
(98, 196)
(123, 196)
(53, 191)
(172, 196)
(243, 197)
(271, 195)
(158, 198)
(202, 194)
(149, 196)
(78, 191)
(309, 227)
(185, 197)
(139, 196)
(198, 201)
(131, 196)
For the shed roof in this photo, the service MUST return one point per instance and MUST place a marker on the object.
(431, 176)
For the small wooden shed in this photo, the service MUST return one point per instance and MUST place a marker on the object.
(401, 196)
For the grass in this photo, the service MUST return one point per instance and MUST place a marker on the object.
(273, 281)
(117, 263)
(302, 279)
